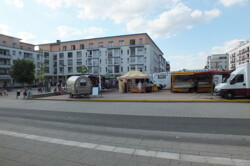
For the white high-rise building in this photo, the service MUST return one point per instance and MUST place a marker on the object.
(11, 49)
(239, 55)
(114, 56)
(218, 62)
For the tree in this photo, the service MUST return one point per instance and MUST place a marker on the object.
(23, 71)
(42, 70)
(82, 69)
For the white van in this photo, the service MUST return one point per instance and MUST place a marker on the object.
(79, 85)
(238, 84)
(162, 79)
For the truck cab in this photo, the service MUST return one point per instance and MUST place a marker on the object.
(238, 84)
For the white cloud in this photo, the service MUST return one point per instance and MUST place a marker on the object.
(227, 46)
(55, 4)
(156, 17)
(4, 29)
(16, 3)
(228, 3)
(27, 37)
(66, 32)
(189, 61)
(178, 18)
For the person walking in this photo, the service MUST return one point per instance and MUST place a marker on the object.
(24, 93)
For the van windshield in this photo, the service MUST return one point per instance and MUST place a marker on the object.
(227, 79)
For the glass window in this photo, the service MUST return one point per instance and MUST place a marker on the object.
(70, 62)
(79, 54)
(73, 47)
(83, 82)
(121, 43)
(100, 44)
(141, 41)
(111, 44)
(70, 55)
(82, 46)
(64, 48)
(91, 45)
(132, 42)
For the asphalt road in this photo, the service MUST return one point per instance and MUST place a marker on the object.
(149, 123)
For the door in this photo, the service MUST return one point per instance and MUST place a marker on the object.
(238, 85)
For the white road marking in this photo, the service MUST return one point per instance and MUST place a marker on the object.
(131, 151)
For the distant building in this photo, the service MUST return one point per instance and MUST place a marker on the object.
(113, 55)
(239, 55)
(218, 62)
(167, 66)
(12, 49)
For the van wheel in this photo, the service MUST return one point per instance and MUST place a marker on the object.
(229, 95)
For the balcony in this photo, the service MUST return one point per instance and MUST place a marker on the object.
(5, 56)
(5, 66)
(4, 76)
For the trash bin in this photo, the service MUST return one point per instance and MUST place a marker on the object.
(18, 93)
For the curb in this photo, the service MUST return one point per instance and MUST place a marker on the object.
(152, 101)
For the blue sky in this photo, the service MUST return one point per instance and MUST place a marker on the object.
(187, 31)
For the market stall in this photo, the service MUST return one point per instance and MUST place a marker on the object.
(134, 82)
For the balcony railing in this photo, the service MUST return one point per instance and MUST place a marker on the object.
(5, 66)
(5, 56)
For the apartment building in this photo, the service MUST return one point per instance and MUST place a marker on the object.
(239, 55)
(113, 55)
(12, 49)
(218, 62)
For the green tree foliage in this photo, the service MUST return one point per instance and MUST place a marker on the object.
(41, 68)
(23, 71)
(82, 69)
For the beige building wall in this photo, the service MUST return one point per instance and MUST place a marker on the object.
(56, 47)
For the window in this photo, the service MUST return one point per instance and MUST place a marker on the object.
(91, 45)
(70, 55)
(121, 69)
(117, 69)
(82, 46)
(141, 41)
(4, 43)
(239, 78)
(100, 44)
(121, 51)
(13, 52)
(79, 54)
(128, 68)
(14, 45)
(70, 69)
(83, 82)
(70, 62)
(140, 51)
(116, 52)
(145, 68)
(64, 48)
(121, 42)
(111, 44)
(61, 56)
(132, 67)
(132, 42)
(79, 62)
(127, 52)
(73, 47)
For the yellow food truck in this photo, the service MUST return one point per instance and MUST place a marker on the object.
(195, 81)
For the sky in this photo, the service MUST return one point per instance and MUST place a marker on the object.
(187, 31)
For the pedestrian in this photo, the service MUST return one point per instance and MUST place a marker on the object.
(24, 93)
(29, 94)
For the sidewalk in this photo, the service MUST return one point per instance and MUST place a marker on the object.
(161, 96)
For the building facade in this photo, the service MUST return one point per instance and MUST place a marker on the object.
(12, 49)
(218, 62)
(114, 56)
(239, 55)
